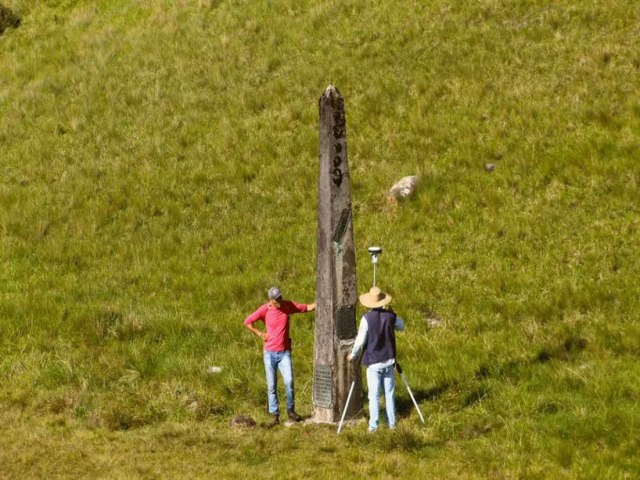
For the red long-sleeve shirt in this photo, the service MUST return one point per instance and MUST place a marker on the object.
(276, 321)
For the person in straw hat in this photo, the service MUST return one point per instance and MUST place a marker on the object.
(377, 335)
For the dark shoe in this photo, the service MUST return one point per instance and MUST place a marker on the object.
(294, 416)
(275, 420)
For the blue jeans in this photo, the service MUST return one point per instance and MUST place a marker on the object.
(281, 361)
(376, 378)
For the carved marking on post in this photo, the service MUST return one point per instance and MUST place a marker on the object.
(336, 173)
(340, 123)
(336, 176)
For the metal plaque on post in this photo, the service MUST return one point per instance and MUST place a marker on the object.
(323, 386)
(346, 323)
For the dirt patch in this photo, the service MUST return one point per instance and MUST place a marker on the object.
(8, 19)
(242, 421)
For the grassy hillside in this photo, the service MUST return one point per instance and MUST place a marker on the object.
(158, 172)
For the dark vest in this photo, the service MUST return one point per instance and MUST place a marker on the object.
(381, 336)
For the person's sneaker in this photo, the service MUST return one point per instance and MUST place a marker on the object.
(275, 420)
(294, 416)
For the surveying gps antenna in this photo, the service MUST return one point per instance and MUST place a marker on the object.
(375, 252)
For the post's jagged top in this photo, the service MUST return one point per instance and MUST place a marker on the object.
(331, 91)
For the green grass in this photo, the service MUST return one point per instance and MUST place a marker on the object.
(158, 172)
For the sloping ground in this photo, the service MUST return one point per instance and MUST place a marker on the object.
(158, 166)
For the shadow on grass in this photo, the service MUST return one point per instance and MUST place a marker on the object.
(566, 351)
(404, 405)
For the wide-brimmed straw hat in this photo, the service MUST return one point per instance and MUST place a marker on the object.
(375, 298)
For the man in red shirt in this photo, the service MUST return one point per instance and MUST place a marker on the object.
(277, 348)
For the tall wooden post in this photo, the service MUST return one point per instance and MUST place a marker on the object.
(336, 271)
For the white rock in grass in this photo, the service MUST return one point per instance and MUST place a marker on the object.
(404, 188)
(214, 369)
(434, 322)
(432, 318)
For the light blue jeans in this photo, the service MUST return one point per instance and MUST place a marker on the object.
(376, 378)
(282, 362)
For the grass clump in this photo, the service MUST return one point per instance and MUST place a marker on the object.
(8, 19)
